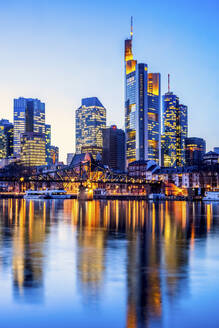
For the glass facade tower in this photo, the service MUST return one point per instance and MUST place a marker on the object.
(48, 142)
(29, 116)
(32, 149)
(90, 120)
(154, 133)
(142, 109)
(175, 130)
(6, 138)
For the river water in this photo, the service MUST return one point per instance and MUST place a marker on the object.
(65, 263)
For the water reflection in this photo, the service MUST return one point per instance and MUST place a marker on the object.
(158, 241)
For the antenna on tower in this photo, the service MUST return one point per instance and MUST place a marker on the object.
(131, 28)
(168, 82)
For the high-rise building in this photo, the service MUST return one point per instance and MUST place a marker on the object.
(48, 142)
(169, 138)
(32, 149)
(182, 134)
(6, 138)
(90, 120)
(216, 150)
(54, 154)
(142, 109)
(195, 148)
(69, 158)
(29, 116)
(114, 148)
(175, 130)
(154, 126)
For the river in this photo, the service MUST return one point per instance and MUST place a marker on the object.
(65, 263)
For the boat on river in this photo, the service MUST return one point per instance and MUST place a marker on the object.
(47, 194)
(211, 196)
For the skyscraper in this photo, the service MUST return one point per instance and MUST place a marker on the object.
(182, 134)
(154, 133)
(29, 116)
(32, 149)
(195, 148)
(114, 148)
(48, 142)
(6, 138)
(175, 130)
(54, 155)
(90, 120)
(142, 109)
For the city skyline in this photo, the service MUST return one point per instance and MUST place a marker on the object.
(61, 86)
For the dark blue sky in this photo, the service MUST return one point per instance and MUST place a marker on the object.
(61, 51)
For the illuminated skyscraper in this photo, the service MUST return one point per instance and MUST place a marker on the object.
(6, 139)
(175, 130)
(33, 149)
(90, 120)
(29, 116)
(54, 155)
(48, 142)
(154, 117)
(142, 109)
(114, 148)
(182, 134)
(195, 148)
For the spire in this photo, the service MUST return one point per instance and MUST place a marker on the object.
(168, 82)
(131, 33)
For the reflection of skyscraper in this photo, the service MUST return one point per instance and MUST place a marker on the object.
(142, 109)
(143, 269)
(90, 120)
(28, 238)
(91, 244)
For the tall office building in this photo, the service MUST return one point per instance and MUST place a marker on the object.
(6, 138)
(90, 120)
(195, 148)
(216, 150)
(29, 116)
(142, 109)
(175, 130)
(48, 142)
(32, 149)
(114, 148)
(69, 158)
(54, 155)
(182, 134)
(154, 126)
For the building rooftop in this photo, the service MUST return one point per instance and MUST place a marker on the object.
(92, 101)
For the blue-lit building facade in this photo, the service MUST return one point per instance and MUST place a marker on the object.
(154, 114)
(182, 134)
(114, 148)
(142, 109)
(195, 149)
(90, 120)
(175, 130)
(6, 138)
(29, 116)
(48, 142)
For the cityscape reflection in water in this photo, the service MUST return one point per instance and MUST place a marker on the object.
(108, 263)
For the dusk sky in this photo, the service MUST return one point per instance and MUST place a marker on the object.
(62, 51)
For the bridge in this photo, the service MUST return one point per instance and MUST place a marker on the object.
(83, 172)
